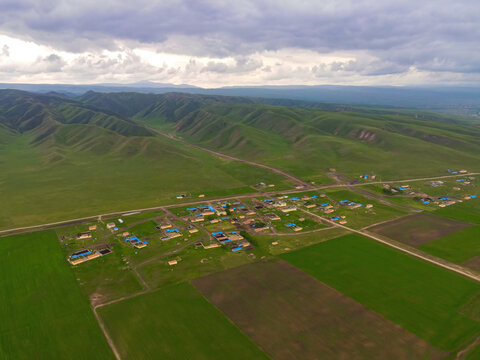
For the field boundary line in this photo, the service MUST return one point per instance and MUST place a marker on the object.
(107, 336)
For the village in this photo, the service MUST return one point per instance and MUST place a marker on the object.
(231, 224)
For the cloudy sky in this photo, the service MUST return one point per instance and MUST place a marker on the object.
(214, 43)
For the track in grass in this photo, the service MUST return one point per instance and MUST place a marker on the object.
(293, 316)
(43, 314)
(175, 323)
(422, 298)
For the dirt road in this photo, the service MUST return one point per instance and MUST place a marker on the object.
(53, 225)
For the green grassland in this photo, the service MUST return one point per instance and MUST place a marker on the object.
(457, 247)
(109, 277)
(131, 219)
(474, 354)
(361, 217)
(44, 315)
(306, 142)
(106, 278)
(59, 164)
(468, 211)
(293, 242)
(183, 323)
(159, 274)
(144, 229)
(420, 297)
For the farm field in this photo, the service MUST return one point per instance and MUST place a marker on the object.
(420, 297)
(295, 316)
(175, 323)
(468, 211)
(415, 230)
(457, 247)
(44, 315)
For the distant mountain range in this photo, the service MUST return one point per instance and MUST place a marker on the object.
(463, 99)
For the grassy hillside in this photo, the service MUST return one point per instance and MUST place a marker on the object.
(62, 160)
(309, 141)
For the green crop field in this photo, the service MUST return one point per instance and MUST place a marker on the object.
(158, 274)
(457, 247)
(420, 297)
(175, 323)
(468, 211)
(43, 313)
(144, 229)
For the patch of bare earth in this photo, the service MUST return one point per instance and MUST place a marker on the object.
(291, 315)
(418, 229)
(473, 263)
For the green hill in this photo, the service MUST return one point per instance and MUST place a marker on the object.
(62, 159)
(307, 141)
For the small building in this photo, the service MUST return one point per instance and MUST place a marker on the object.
(211, 246)
(368, 206)
(329, 211)
(297, 228)
(201, 195)
(258, 229)
(92, 227)
(192, 231)
(288, 209)
(272, 216)
(172, 262)
(165, 226)
(279, 204)
(84, 235)
(235, 237)
(111, 225)
(309, 206)
(463, 171)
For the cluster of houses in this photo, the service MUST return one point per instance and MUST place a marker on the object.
(233, 240)
(463, 171)
(368, 176)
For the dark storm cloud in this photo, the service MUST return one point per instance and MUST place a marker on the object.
(431, 35)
